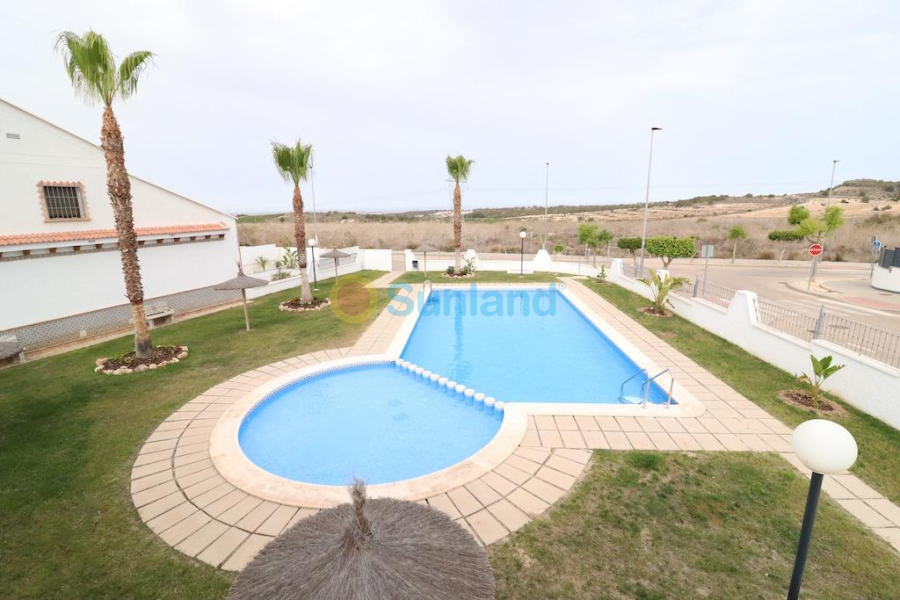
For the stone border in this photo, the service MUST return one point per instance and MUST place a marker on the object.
(283, 307)
(101, 362)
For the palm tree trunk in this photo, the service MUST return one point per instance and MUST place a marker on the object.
(457, 226)
(118, 187)
(300, 237)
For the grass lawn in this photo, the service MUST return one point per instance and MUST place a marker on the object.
(758, 381)
(480, 277)
(68, 437)
(654, 525)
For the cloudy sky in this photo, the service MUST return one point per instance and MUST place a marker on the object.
(753, 95)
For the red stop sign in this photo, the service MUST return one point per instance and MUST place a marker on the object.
(815, 249)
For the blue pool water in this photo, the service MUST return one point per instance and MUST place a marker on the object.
(376, 422)
(551, 354)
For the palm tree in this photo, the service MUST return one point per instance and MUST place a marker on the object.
(292, 163)
(458, 168)
(95, 76)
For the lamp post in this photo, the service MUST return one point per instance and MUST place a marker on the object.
(647, 201)
(312, 245)
(522, 235)
(547, 203)
(825, 448)
(815, 261)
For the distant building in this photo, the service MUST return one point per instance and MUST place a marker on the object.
(884, 275)
(60, 272)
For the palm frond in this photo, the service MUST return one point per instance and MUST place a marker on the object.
(130, 71)
(458, 167)
(91, 66)
(292, 162)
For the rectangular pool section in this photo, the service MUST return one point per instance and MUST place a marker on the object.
(521, 346)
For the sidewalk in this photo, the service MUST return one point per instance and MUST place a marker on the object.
(856, 292)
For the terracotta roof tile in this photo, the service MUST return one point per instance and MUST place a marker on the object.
(100, 234)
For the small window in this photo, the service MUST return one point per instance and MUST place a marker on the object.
(63, 202)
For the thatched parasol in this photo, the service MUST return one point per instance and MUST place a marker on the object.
(425, 249)
(383, 548)
(242, 282)
(335, 254)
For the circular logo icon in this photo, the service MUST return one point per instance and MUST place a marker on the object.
(353, 299)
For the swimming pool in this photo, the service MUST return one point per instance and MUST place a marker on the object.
(377, 422)
(525, 345)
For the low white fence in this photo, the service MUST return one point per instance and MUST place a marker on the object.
(867, 384)
(438, 262)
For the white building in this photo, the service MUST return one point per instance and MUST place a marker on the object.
(60, 273)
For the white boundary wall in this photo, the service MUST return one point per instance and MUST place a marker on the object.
(867, 384)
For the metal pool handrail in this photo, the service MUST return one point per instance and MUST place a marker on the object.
(622, 387)
(651, 379)
(428, 284)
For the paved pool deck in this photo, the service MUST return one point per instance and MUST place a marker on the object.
(181, 496)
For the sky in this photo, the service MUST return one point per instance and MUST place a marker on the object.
(754, 96)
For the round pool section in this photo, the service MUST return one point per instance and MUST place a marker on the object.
(377, 422)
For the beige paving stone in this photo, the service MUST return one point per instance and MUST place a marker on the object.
(708, 441)
(691, 425)
(192, 449)
(543, 490)
(527, 502)
(662, 441)
(511, 517)
(732, 442)
(587, 423)
(753, 442)
(302, 514)
(649, 424)
(223, 546)
(203, 537)
(865, 513)
(572, 439)
(579, 456)
(550, 438)
(855, 485)
(712, 425)
(159, 436)
(219, 506)
(158, 446)
(502, 485)
(538, 455)
(639, 440)
(204, 486)
(523, 464)
(186, 481)
(617, 440)
(776, 442)
(193, 468)
(277, 520)
(239, 510)
(608, 424)
(154, 457)
(150, 469)
(160, 506)
(179, 531)
(776, 426)
(515, 475)
(150, 481)
(486, 526)
(182, 460)
(531, 438)
(671, 425)
(736, 426)
(887, 509)
(465, 502)
(565, 465)
(171, 517)
(595, 440)
(443, 503)
(628, 424)
(483, 492)
(557, 478)
(173, 426)
(257, 516)
(155, 493)
(891, 535)
(565, 423)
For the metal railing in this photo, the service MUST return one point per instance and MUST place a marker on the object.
(865, 340)
(649, 383)
(786, 320)
(713, 292)
(622, 387)
(629, 270)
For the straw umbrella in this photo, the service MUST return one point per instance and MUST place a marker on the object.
(382, 548)
(425, 249)
(242, 282)
(335, 254)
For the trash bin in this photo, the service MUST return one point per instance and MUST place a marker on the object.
(415, 265)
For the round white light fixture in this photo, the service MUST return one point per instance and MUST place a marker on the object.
(824, 446)
(312, 242)
(523, 234)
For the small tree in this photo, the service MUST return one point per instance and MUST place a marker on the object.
(736, 233)
(632, 244)
(822, 370)
(783, 238)
(816, 230)
(589, 235)
(604, 238)
(670, 248)
(661, 287)
(559, 248)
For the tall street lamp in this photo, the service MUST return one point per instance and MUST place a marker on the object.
(647, 201)
(547, 203)
(825, 448)
(312, 245)
(522, 235)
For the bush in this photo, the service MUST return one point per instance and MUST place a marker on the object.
(670, 248)
(450, 271)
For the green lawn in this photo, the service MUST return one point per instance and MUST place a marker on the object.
(758, 381)
(480, 277)
(654, 525)
(68, 437)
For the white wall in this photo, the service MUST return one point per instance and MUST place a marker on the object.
(867, 384)
(886, 279)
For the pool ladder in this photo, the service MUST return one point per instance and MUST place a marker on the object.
(645, 399)
(428, 285)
